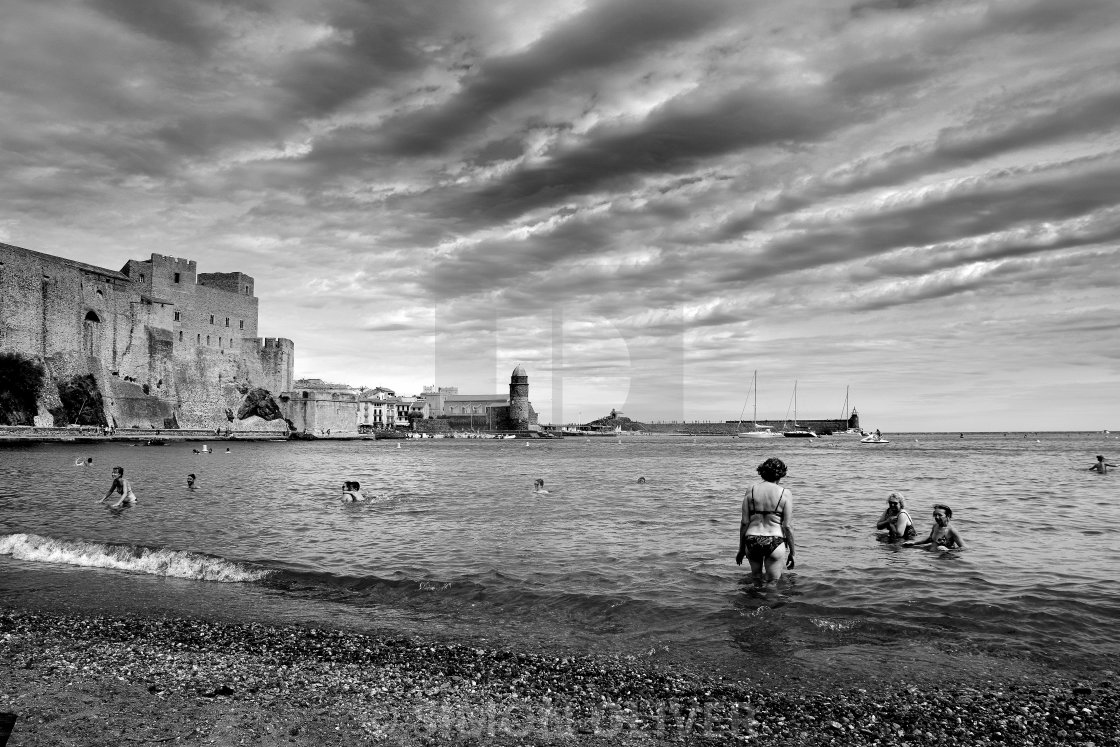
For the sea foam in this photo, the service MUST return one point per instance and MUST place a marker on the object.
(134, 558)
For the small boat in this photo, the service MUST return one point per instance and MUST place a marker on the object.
(797, 431)
(874, 440)
(756, 431)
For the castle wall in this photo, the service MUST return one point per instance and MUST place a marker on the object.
(316, 412)
(164, 343)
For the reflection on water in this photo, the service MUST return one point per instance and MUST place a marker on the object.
(453, 538)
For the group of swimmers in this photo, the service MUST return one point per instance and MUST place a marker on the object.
(766, 530)
(352, 492)
(896, 520)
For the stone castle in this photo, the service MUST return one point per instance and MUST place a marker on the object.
(154, 345)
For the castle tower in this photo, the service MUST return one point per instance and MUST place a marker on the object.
(519, 399)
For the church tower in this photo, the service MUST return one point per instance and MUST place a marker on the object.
(519, 399)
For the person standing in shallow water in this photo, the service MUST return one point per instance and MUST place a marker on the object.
(766, 529)
(122, 486)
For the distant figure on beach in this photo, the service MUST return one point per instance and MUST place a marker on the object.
(538, 486)
(896, 520)
(1101, 465)
(122, 486)
(942, 535)
(190, 481)
(352, 492)
(766, 531)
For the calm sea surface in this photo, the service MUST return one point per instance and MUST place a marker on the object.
(454, 542)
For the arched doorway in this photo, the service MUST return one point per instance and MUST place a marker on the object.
(91, 334)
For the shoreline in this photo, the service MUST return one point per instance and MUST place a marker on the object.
(78, 678)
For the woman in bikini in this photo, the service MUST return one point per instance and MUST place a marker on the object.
(896, 520)
(942, 535)
(766, 534)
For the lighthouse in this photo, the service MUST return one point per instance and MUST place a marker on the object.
(519, 399)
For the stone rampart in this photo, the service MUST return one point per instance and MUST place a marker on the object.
(164, 344)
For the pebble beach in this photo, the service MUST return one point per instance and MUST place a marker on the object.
(81, 679)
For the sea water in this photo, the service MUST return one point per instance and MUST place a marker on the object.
(454, 542)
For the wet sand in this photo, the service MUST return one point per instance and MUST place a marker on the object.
(85, 680)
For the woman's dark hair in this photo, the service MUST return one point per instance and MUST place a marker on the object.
(948, 511)
(772, 470)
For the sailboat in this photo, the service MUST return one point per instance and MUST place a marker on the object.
(798, 431)
(846, 416)
(757, 431)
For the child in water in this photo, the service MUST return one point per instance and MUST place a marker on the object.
(538, 486)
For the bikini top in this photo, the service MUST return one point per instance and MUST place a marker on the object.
(776, 510)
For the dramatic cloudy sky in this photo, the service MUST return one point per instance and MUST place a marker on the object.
(642, 201)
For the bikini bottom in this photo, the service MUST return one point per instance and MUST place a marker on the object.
(762, 546)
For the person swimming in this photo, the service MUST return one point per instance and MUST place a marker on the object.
(641, 480)
(942, 535)
(352, 492)
(896, 520)
(1101, 466)
(190, 481)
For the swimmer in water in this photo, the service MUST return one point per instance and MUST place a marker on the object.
(896, 520)
(538, 486)
(942, 535)
(1101, 466)
(352, 492)
(190, 481)
(641, 480)
(79, 462)
(122, 486)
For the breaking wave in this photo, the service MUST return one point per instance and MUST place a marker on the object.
(135, 558)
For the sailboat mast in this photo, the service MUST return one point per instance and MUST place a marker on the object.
(755, 387)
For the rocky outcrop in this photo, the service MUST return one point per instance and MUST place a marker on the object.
(259, 402)
(80, 402)
(21, 381)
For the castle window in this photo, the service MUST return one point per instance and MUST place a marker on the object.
(211, 318)
(176, 277)
(141, 277)
(227, 321)
(242, 324)
(177, 315)
(207, 339)
(100, 293)
(180, 335)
